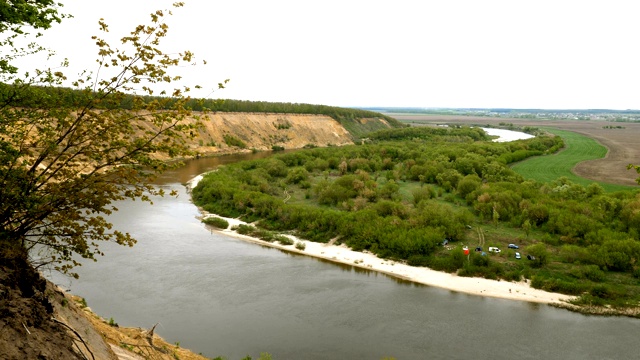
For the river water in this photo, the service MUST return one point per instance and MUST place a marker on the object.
(222, 296)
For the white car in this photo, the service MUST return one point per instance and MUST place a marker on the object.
(494, 249)
(518, 256)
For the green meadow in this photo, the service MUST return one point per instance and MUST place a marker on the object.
(578, 148)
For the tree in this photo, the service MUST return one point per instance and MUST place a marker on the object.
(540, 254)
(17, 14)
(64, 161)
(38, 14)
(636, 168)
(526, 226)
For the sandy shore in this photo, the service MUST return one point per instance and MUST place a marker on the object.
(471, 285)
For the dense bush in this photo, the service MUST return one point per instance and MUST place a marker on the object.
(234, 141)
(216, 221)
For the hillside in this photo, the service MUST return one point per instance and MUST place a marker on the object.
(261, 131)
(229, 125)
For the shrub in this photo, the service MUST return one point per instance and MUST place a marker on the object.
(83, 303)
(283, 124)
(112, 323)
(558, 285)
(514, 276)
(536, 281)
(244, 229)
(301, 246)
(593, 273)
(216, 221)
(603, 291)
(418, 260)
(305, 185)
(479, 260)
(231, 140)
(297, 175)
(468, 184)
(265, 235)
(283, 240)
(423, 193)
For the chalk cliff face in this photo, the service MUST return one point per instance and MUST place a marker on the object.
(263, 131)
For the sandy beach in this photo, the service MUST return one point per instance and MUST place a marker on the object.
(342, 254)
(521, 290)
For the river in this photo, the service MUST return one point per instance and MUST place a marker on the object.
(225, 297)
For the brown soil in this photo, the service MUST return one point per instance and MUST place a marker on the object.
(262, 131)
(623, 144)
(27, 330)
(136, 343)
(39, 321)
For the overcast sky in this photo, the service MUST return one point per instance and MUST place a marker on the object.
(468, 53)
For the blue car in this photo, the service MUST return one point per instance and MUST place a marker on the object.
(513, 246)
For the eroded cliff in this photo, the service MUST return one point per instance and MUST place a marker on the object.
(262, 131)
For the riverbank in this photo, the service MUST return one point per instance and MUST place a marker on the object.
(133, 343)
(521, 291)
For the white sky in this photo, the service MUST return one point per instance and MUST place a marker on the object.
(454, 53)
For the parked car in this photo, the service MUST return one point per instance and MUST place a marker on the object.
(518, 256)
(531, 257)
(494, 249)
(479, 248)
(513, 246)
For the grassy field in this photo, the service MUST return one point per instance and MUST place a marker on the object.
(550, 167)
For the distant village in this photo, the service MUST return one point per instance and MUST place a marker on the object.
(604, 115)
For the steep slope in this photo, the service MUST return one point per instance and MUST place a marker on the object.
(263, 131)
(36, 320)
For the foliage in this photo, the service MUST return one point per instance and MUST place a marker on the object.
(112, 322)
(216, 221)
(539, 253)
(284, 240)
(63, 164)
(234, 141)
(636, 168)
(401, 198)
(15, 15)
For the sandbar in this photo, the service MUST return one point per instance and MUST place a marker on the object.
(511, 290)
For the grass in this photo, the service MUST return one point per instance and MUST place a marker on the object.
(551, 167)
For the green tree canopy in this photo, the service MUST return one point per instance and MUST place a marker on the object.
(15, 15)
(39, 14)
